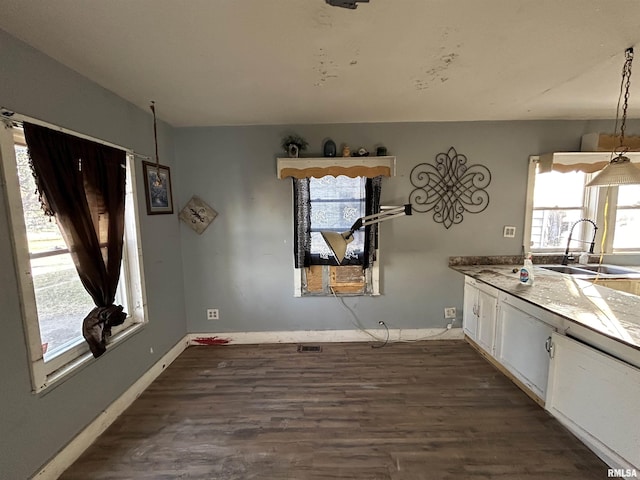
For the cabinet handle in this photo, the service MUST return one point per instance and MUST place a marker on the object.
(549, 347)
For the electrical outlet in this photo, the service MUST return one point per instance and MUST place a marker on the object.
(213, 314)
(450, 312)
(509, 231)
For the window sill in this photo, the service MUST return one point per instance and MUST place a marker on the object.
(330, 295)
(66, 371)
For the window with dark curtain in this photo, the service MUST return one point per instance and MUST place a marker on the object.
(335, 210)
(82, 184)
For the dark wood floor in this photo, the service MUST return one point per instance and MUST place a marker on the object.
(430, 410)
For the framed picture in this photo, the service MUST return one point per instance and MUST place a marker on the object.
(157, 187)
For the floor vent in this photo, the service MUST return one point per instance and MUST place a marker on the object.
(309, 348)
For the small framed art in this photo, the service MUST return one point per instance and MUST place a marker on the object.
(197, 214)
(157, 187)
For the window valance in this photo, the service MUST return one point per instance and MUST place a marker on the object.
(369, 167)
(595, 155)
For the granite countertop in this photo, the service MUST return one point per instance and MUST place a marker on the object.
(601, 309)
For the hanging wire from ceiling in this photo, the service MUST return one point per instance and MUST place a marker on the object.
(625, 85)
(620, 170)
(158, 181)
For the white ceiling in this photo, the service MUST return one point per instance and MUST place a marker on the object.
(245, 62)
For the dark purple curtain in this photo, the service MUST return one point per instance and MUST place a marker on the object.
(302, 222)
(82, 184)
(373, 192)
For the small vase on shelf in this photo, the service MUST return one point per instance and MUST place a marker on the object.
(293, 150)
(329, 148)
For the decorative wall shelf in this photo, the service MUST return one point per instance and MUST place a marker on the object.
(334, 166)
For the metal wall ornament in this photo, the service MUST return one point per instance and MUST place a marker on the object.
(197, 214)
(449, 188)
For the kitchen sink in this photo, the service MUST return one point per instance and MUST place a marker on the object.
(567, 269)
(589, 271)
(609, 269)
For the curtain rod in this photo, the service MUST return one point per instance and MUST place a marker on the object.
(11, 118)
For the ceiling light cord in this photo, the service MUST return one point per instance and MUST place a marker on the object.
(620, 170)
(158, 181)
(625, 85)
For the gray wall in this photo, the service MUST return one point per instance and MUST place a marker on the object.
(243, 263)
(33, 428)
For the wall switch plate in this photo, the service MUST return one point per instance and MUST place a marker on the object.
(450, 312)
(213, 314)
(509, 231)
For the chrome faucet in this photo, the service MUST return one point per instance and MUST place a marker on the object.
(567, 257)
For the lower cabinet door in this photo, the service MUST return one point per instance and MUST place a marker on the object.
(469, 317)
(521, 347)
(598, 398)
(487, 305)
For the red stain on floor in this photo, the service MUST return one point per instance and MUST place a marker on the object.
(211, 340)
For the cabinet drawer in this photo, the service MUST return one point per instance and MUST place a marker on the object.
(540, 314)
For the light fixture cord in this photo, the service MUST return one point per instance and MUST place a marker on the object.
(155, 138)
(625, 84)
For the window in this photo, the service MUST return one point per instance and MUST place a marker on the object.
(556, 200)
(333, 204)
(336, 203)
(53, 298)
(627, 223)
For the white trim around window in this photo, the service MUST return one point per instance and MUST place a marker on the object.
(47, 373)
(596, 202)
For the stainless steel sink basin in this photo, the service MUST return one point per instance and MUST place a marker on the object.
(608, 269)
(567, 269)
(590, 271)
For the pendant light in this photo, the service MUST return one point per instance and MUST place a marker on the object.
(620, 170)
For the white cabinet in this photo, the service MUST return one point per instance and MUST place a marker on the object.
(515, 333)
(470, 307)
(479, 316)
(487, 309)
(522, 346)
(594, 394)
(598, 398)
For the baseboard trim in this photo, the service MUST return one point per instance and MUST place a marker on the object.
(72, 451)
(325, 336)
